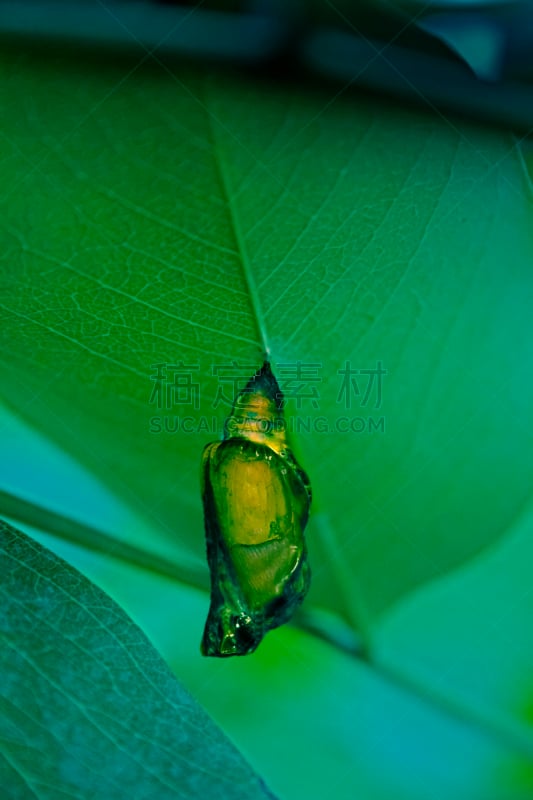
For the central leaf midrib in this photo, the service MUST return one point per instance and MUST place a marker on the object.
(242, 252)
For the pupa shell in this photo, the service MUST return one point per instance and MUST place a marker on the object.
(256, 505)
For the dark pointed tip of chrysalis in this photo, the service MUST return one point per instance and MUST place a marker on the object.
(264, 381)
(230, 635)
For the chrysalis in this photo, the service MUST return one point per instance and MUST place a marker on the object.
(256, 504)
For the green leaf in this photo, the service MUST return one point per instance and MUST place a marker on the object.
(156, 216)
(88, 706)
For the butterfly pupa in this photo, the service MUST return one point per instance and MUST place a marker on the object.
(256, 503)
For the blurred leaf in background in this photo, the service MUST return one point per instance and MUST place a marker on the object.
(473, 57)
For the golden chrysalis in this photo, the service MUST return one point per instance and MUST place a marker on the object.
(256, 503)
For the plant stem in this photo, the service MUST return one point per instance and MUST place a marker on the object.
(96, 540)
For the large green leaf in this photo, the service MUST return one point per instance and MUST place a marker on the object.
(88, 708)
(155, 216)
